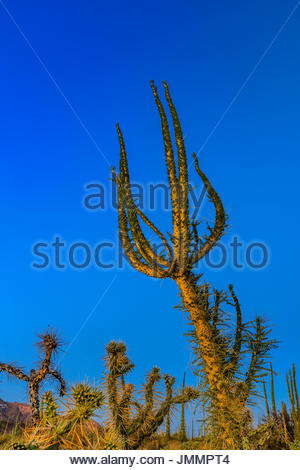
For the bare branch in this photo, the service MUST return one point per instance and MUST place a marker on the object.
(57, 375)
(15, 371)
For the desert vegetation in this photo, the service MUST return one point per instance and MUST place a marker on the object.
(116, 415)
(231, 364)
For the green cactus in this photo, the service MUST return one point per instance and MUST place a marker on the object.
(86, 400)
(133, 421)
(72, 426)
(49, 408)
(48, 345)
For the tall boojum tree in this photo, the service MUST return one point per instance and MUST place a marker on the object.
(182, 251)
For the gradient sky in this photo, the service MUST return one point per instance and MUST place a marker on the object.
(58, 120)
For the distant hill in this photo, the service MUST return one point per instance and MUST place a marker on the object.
(10, 413)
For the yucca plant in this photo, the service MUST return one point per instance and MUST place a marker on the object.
(181, 252)
(132, 420)
(48, 345)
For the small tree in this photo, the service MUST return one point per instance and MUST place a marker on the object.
(48, 345)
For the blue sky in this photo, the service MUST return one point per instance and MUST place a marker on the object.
(101, 57)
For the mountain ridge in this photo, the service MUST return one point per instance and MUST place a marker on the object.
(12, 412)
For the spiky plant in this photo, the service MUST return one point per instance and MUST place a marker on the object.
(181, 252)
(133, 421)
(110, 440)
(243, 354)
(48, 345)
(73, 426)
(86, 400)
(49, 408)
